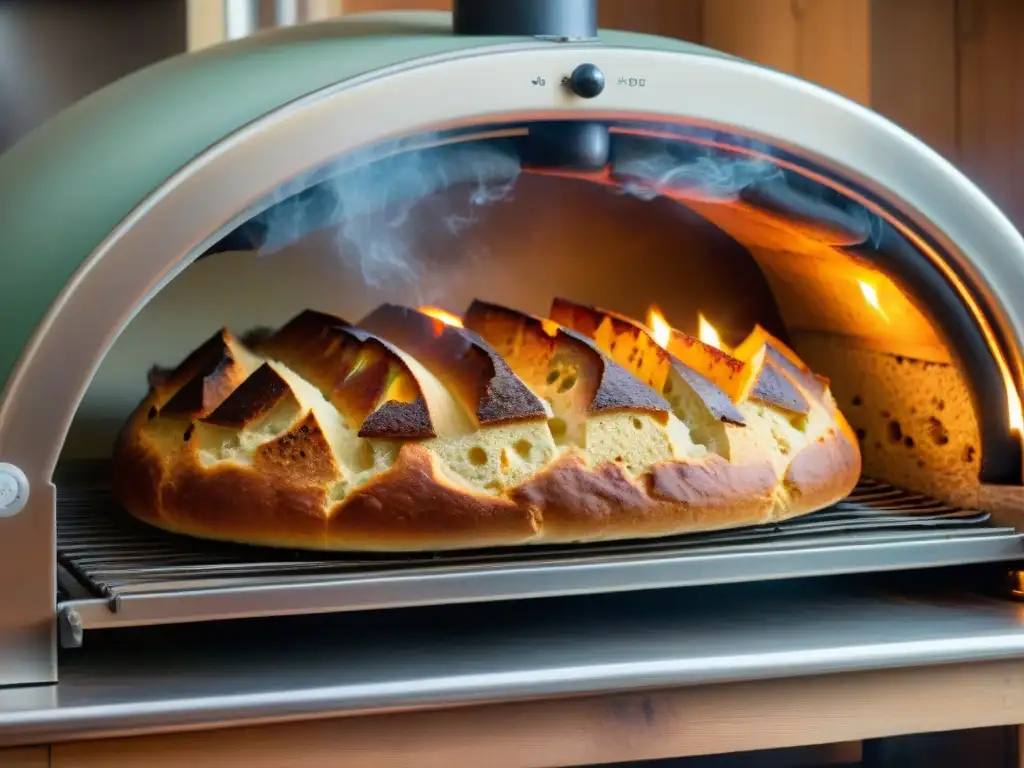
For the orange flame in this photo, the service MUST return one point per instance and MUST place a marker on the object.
(707, 333)
(1013, 405)
(443, 315)
(661, 331)
(550, 327)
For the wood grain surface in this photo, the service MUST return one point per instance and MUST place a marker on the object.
(603, 729)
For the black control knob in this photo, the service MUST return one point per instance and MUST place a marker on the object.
(586, 81)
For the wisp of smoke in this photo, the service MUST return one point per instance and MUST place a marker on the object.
(368, 200)
(649, 168)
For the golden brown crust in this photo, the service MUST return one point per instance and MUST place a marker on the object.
(395, 419)
(204, 379)
(233, 502)
(713, 487)
(302, 456)
(460, 359)
(516, 334)
(309, 331)
(824, 471)
(580, 317)
(362, 391)
(580, 503)
(698, 355)
(294, 489)
(137, 475)
(254, 398)
(363, 376)
(785, 358)
(645, 355)
(411, 506)
(620, 389)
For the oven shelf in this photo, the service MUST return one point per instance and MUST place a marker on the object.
(128, 574)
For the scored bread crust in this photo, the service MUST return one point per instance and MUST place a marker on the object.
(282, 496)
(412, 506)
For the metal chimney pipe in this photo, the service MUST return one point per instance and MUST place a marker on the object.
(536, 18)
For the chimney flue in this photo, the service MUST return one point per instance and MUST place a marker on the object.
(536, 18)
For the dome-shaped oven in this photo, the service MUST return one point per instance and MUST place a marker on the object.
(318, 168)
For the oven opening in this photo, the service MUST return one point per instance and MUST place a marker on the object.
(677, 227)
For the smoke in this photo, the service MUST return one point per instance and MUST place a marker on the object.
(368, 201)
(714, 172)
(652, 167)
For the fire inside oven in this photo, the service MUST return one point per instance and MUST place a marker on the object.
(672, 225)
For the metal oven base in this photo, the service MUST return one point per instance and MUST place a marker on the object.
(117, 572)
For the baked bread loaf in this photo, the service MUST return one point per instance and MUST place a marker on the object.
(403, 432)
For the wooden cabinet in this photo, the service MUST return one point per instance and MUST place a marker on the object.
(990, 99)
(833, 710)
(25, 757)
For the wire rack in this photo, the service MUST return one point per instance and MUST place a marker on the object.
(112, 554)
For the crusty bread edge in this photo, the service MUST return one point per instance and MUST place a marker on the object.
(412, 507)
(825, 470)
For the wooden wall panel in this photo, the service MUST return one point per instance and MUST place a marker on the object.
(824, 41)
(913, 60)
(991, 99)
(317, 10)
(897, 56)
(951, 72)
(671, 18)
(25, 757)
(205, 23)
(674, 18)
(362, 6)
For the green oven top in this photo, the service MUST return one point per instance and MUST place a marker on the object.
(64, 187)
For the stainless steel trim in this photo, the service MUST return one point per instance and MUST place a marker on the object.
(158, 239)
(145, 576)
(28, 633)
(818, 556)
(350, 665)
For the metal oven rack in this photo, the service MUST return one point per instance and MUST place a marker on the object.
(119, 572)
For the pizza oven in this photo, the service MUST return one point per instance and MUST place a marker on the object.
(520, 157)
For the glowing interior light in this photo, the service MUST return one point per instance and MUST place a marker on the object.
(660, 329)
(870, 294)
(443, 315)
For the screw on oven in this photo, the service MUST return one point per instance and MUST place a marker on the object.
(13, 490)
